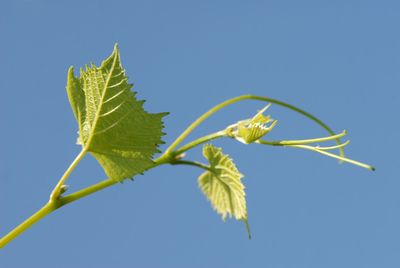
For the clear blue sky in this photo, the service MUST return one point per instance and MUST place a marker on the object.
(337, 59)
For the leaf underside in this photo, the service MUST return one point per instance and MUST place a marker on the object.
(222, 186)
(113, 126)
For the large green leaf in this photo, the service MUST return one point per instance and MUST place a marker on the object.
(113, 126)
(222, 184)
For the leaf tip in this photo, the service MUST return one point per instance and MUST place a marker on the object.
(246, 223)
(115, 52)
(163, 114)
(116, 47)
(372, 168)
(71, 71)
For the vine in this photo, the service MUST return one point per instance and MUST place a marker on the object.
(123, 137)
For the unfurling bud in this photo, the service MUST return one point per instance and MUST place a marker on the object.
(251, 130)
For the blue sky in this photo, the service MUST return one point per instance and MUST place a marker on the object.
(339, 60)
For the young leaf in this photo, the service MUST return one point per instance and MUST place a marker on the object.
(222, 185)
(251, 130)
(113, 126)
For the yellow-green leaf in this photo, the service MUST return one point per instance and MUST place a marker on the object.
(251, 130)
(222, 184)
(113, 126)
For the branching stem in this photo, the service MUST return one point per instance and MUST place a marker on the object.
(218, 107)
(55, 194)
(199, 141)
(171, 156)
(87, 191)
(324, 152)
(302, 144)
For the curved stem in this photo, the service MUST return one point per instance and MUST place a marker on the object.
(321, 150)
(306, 141)
(57, 189)
(56, 201)
(191, 163)
(199, 141)
(241, 98)
(344, 159)
(328, 148)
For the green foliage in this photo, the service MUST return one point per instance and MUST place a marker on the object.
(222, 185)
(113, 126)
(123, 137)
(251, 130)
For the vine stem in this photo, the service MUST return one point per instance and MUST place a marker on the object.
(218, 107)
(41, 213)
(57, 201)
(109, 182)
(55, 194)
(53, 205)
(191, 163)
(209, 137)
(344, 159)
(299, 142)
(302, 144)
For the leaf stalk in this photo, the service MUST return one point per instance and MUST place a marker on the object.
(56, 193)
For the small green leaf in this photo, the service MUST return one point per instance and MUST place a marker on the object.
(113, 126)
(250, 130)
(222, 185)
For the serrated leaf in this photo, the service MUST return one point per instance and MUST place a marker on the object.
(251, 130)
(113, 126)
(222, 184)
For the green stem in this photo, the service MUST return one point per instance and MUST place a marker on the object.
(321, 150)
(344, 159)
(41, 213)
(100, 186)
(241, 98)
(328, 148)
(199, 141)
(56, 201)
(191, 163)
(108, 182)
(298, 142)
(53, 205)
(87, 191)
(55, 194)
